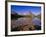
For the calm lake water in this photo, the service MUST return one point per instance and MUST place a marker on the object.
(37, 21)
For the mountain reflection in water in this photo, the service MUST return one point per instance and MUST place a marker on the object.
(37, 21)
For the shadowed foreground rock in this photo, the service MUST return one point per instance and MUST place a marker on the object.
(23, 24)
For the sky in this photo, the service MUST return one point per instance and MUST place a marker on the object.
(24, 10)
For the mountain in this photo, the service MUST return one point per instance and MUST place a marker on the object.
(14, 15)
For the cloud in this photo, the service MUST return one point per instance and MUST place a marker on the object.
(36, 13)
